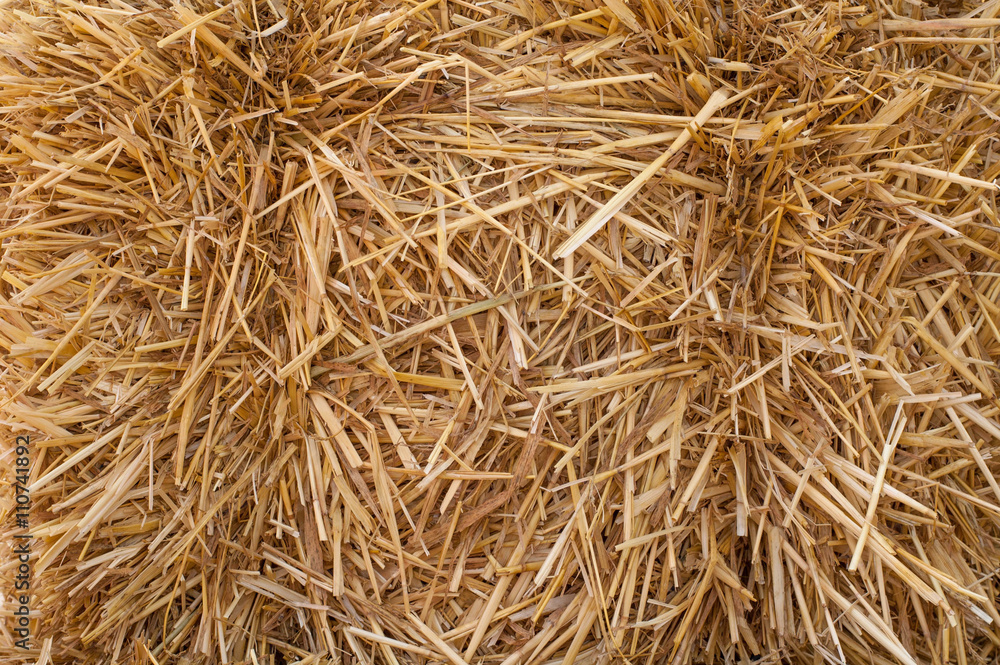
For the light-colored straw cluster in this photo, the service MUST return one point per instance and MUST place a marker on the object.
(503, 332)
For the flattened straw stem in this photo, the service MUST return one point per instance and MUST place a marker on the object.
(896, 431)
(596, 221)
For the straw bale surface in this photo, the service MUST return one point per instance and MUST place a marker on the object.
(502, 331)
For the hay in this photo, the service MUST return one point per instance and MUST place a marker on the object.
(503, 332)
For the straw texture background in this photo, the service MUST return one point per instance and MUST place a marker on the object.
(502, 331)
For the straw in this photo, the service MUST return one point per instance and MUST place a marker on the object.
(510, 333)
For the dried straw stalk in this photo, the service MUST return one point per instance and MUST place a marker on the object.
(504, 332)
